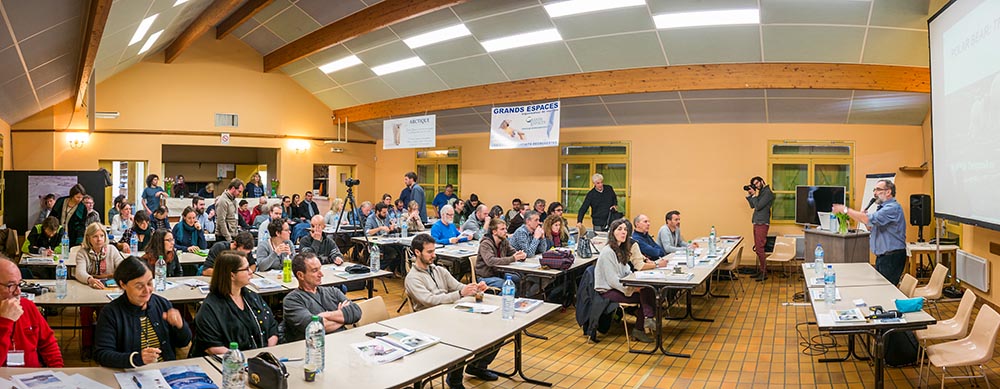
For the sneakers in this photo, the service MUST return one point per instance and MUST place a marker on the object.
(650, 324)
(481, 373)
(640, 336)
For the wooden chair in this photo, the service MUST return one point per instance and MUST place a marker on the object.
(784, 252)
(407, 263)
(472, 262)
(955, 328)
(730, 267)
(628, 335)
(907, 285)
(975, 349)
(373, 310)
(932, 291)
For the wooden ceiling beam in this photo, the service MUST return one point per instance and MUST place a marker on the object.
(97, 18)
(213, 15)
(383, 14)
(656, 79)
(244, 13)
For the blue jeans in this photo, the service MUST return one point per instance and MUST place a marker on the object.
(497, 282)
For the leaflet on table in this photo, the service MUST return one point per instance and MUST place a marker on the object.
(818, 294)
(37, 260)
(175, 377)
(852, 315)
(49, 379)
(477, 307)
(350, 276)
(194, 282)
(409, 340)
(378, 352)
(525, 305)
(265, 284)
(527, 265)
(650, 275)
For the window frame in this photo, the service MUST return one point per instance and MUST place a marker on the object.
(811, 161)
(593, 161)
(433, 188)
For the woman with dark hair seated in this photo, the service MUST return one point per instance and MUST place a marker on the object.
(188, 234)
(231, 312)
(161, 244)
(138, 327)
(140, 228)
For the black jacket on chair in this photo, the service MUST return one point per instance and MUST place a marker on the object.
(593, 311)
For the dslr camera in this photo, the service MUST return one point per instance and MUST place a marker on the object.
(352, 182)
(748, 187)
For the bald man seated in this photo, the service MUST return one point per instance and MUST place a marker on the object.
(26, 340)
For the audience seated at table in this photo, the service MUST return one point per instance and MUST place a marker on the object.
(332, 216)
(271, 216)
(45, 207)
(180, 188)
(556, 209)
(242, 244)
(140, 228)
(188, 234)
(612, 266)
(530, 236)
(139, 327)
(497, 212)
(669, 237)
(553, 233)
(540, 208)
(311, 299)
(478, 221)
(515, 208)
(208, 191)
(122, 220)
(647, 245)
(232, 312)
(44, 238)
(92, 215)
(359, 216)
(461, 213)
(444, 230)
(495, 250)
(22, 326)
(162, 244)
(429, 285)
(378, 223)
(160, 221)
(413, 222)
(319, 245)
(96, 262)
(246, 216)
(205, 218)
(72, 214)
(286, 207)
(444, 198)
(260, 209)
(279, 245)
(305, 211)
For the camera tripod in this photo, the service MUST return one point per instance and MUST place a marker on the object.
(351, 203)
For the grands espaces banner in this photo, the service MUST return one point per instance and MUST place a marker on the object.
(525, 126)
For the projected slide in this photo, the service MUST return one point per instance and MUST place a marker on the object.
(965, 97)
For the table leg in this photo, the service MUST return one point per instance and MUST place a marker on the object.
(851, 352)
(688, 311)
(708, 287)
(518, 367)
(659, 330)
(370, 285)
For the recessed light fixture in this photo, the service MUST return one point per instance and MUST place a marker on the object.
(441, 35)
(339, 64)
(521, 40)
(142, 30)
(573, 7)
(179, 2)
(396, 66)
(149, 42)
(707, 18)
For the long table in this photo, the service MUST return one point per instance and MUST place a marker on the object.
(106, 376)
(865, 285)
(186, 258)
(332, 276)
(701, 273)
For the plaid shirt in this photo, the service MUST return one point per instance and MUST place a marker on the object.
(524, 240)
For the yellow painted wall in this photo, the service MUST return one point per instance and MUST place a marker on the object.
(697, 169)
(211, 76)
(5, 131)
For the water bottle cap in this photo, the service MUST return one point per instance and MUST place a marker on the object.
(234, 346)
(508, 277)
(315, 318)
(829, 267)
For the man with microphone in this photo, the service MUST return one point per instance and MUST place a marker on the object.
(888, 230)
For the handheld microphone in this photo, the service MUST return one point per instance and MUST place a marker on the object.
(870, 203)
(891, 314)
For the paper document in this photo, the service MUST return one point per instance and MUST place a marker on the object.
(476, 307)
(378, 352)
(818, 294)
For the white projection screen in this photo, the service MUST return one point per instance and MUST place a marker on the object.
(965, 111)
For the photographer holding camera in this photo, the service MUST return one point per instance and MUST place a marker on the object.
(760, 197)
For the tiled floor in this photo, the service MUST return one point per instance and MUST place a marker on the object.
(754, 342)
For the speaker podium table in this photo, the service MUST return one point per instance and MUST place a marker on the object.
(837, 248)
(916, 250)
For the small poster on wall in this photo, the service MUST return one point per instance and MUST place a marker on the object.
(408, 133)
(39, 186)
(525, 126)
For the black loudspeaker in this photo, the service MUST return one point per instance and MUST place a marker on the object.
(920, 210)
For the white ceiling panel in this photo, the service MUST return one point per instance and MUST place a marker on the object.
(337, 98)
(632, 97)
(808, 110)
(28, 18)
(726, 111)
(382, 55)
(326, 11)
(475, 9)
(536, 61)
(809, 93)
(848, 12)
(512, 23)
(669, 6)
(314, 80)
(414, 81)
(585, 116)
(722, 94)
(618, 51)
(615, 21)
(724, 44)
(370, 90)
(470, 71)
(897, 47)
(656, 112)
(900, 13)
(445, 51)
(813, 44)
(461, 124)
(263, 40)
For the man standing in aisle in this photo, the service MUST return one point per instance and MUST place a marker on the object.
(429, 285)
(226, 211)
(601, 200)
(888, 230)
(416, 194)
(760, 198)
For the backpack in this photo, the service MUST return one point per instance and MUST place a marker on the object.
(901, 349)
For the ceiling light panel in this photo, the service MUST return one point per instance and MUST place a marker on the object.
(437, 36)
(574, 7)
(521, 40)
(179, 2)
(149, 42)
(707, 18)
(142, 30)
(339, 64)
(397, 66)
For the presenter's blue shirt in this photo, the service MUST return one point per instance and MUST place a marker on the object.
(888, 228)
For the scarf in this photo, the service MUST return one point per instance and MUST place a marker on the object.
(96, 263)
(188, 231)
(145, 235)
(168, 257)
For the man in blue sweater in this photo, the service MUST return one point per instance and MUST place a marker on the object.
(650, 249)
(444, 231)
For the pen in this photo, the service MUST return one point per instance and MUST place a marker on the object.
(289, 359)
(137, 383)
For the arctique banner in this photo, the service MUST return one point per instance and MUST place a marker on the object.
(409, 133)
(525, 126)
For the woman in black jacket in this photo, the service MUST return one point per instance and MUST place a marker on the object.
(232, 312)
(72, 214)
(138, 327)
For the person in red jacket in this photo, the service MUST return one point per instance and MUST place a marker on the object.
(26, 340)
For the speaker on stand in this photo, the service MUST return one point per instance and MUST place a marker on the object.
(920, 216)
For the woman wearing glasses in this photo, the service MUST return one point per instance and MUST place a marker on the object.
(139, 327)
(161, 244)
(231, 312)
(270, 253)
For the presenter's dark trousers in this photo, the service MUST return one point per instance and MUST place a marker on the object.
(759, 241)
(890, 265)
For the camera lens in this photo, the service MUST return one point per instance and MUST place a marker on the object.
(352, 182)
(746, 187)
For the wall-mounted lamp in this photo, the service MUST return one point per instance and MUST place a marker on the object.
(298, 145)
(77, 139)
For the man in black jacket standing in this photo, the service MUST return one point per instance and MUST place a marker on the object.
(600, 200)
(760, 197)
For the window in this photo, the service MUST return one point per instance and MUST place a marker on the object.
(437, 168)
(793, 163)
(579, 162)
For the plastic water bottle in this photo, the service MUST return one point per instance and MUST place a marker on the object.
(111, 238)
(829, 285)
(161, 274)
(711, 241)
(508, 298)
(571, 242)
(61, 273)
(819, 258)
(689, 254)
(376, 258)
(403, 226)
(233, 374)
(64, 245)
(286, 268)
(315, 349)
(133, 244)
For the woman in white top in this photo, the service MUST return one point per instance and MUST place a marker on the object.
(612, 266)
(96, 259)
(122, 220)
(333, 215)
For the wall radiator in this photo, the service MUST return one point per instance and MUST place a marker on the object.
(972, 270)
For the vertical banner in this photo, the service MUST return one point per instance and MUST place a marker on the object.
(408, 133)
(525, 126)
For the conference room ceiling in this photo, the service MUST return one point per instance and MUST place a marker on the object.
(886, 32)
